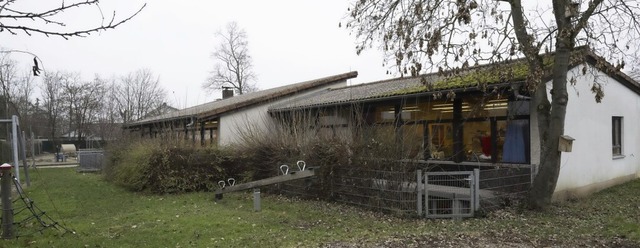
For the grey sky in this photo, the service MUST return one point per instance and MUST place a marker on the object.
(290, 41)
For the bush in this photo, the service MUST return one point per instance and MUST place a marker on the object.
(152, 167)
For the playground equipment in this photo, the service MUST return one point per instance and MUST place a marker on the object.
(25, 213)
(286, 176)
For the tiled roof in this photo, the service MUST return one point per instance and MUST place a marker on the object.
(351, 93)
(473, 78)
(244, 100)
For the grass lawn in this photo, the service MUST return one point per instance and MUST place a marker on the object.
(104, 215)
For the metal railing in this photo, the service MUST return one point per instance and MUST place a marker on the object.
(411, 192)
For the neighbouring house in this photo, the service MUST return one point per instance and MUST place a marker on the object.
(481, 117)
(164, 108)
(221, 122)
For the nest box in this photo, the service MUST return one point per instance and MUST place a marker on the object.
(565, 143)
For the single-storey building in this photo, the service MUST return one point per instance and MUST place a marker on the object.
(482, 117)
(221, 122)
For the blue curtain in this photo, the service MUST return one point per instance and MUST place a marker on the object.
(516, 142)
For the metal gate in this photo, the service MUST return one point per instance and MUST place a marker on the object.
(90, 160)
(448, 194)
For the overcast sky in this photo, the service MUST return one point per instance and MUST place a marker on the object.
(290, 41)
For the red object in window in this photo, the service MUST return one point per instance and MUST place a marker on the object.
(486, 145)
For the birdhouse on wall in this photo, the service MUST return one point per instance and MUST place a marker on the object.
(565, 143)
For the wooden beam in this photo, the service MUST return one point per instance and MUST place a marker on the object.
(458, 130)
(264, 182)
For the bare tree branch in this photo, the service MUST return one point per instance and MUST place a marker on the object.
(47, 17)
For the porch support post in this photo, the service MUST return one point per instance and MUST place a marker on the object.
(426, 141)
(186, 131)
(193, 132)
(458, 146)
(202, 133)
(494, 140)
(397, 110)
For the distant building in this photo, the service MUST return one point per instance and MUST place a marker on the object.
(221, 122)
(164, 108)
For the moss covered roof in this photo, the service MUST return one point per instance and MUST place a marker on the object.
(477, 77)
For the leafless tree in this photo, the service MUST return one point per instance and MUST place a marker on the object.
(71, 89)
(17, 87)
(108, 123)
(17, 18)
(420, 36)
(234, 65)
(137, 94)
(83, 101)
(8, 80)
(52, 94)
(22, 92)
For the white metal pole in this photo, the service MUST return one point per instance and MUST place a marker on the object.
(14, 144)
(419, 189)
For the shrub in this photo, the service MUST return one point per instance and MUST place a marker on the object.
(127, 164)
(150, 166)
(156, 168)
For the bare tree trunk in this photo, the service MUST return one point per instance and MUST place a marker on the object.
(551, 127)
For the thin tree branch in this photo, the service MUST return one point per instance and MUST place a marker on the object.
(79, 33)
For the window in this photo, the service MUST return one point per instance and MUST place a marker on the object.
(616, 128)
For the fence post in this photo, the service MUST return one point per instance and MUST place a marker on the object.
(22, 141)
(419, 188)
(14, 145)
(426, 195)
(7, 209)
(534, 172)
(256, 199)
(476, 188)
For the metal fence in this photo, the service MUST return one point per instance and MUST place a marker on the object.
(507, 184)
(387, 191)
(90, 160)
(377, 190)
(449, 194)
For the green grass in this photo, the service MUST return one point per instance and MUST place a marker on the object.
(104, 215)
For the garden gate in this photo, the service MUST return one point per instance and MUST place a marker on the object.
(448, 194)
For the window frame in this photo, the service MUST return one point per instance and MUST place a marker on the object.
(617, 136)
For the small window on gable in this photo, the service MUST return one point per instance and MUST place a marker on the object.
(616, 128)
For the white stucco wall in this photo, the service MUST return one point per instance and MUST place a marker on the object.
(591, 166)
(256, 118)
